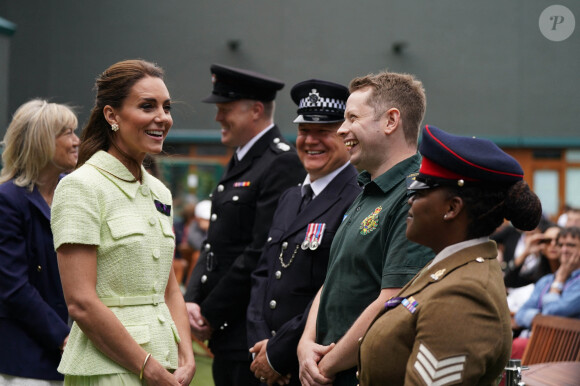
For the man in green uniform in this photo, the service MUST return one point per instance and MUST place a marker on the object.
(370, 258)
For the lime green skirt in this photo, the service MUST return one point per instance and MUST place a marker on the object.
(122, 379)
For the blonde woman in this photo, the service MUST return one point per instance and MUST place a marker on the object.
(39, 146)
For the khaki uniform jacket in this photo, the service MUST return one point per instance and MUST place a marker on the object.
(452, 328)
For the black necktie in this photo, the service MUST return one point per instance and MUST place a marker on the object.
(233, 162)
(307, 197)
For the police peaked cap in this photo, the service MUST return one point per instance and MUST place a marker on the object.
(319, 101)
(231, 84)
(452, 160)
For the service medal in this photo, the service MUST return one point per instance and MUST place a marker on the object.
(309, 235)
(316, 238)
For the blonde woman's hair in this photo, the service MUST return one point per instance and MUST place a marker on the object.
(29, 143)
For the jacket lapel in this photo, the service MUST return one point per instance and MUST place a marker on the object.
(36, 199)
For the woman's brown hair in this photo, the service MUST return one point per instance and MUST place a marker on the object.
(113, 86)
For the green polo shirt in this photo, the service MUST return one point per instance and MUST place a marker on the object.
(369, 251)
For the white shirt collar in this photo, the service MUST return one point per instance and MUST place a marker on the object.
(321, 183)
(451, 249)
(243, 150)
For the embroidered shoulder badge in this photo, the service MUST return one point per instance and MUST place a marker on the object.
(371, 222)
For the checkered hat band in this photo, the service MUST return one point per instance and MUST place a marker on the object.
(329, 103)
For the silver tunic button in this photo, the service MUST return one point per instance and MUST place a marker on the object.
(207, 247)
(210, 195)
(220, 188)
(276, 140)
(204, 278)
(278, 275)
(273, 333)
(273, 304)
(269, 239)
(213, 217)
(285, 244)
(235, 198)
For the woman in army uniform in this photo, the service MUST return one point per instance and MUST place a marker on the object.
(451, 323)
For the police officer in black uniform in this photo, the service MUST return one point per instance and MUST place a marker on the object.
(263, 166)
(293, 264)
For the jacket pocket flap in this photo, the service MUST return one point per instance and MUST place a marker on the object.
(166, 228)
(139, 333)
(124, 226)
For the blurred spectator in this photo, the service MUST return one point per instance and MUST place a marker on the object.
(539, 257)
(573, 218)
(511, 242)
(564, 216)
(183, 251)
(197, 231)
(548, 262)
(40, 145)
(556, 293)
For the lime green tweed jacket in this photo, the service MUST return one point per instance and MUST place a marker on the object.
(98, 205)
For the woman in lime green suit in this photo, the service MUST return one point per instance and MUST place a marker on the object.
(112, 225)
